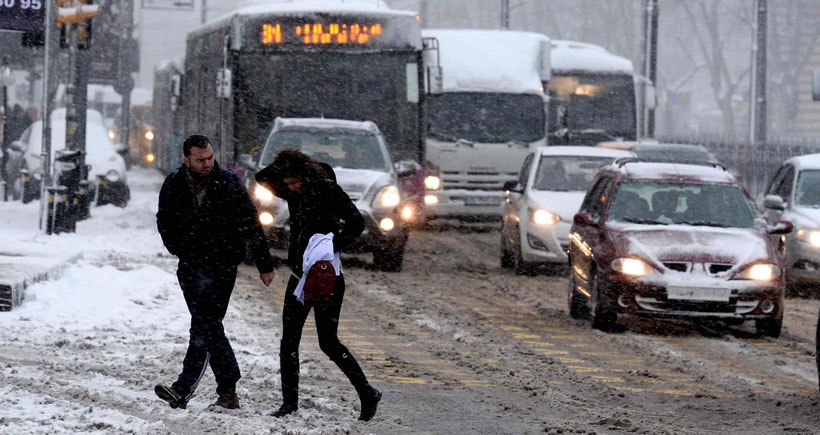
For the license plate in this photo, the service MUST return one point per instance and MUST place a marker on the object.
(482, 200)
(698, 294)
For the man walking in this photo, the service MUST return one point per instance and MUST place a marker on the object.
(205, 218)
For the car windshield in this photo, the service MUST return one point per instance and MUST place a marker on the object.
(567, 173)
(682, 203)
(342, 149)
(807, 193)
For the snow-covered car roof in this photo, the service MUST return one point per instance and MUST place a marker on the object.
(583, 151)
(368, 127)
(580, 56)
(806, 161)
(658, 171)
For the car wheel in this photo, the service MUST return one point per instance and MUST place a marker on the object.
(769, 327)
(603, 318)
(506, 257)
(389, 259)
(817, 347)
(576, 303)
(519, 266)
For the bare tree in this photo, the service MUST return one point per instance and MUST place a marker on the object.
(715, 25)
(794, 30)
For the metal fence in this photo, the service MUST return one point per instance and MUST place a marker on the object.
(754, 166)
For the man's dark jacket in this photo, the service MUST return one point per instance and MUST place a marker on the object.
(215, 233)
(322, 208)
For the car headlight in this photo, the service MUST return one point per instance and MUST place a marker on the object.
(543, 217)
(632, 267)
(759, 272)
(432, 182)
(262, 194)
(812, 237)
(149, 135)
(387, 197)
(112, 176)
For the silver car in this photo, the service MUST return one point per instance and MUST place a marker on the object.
(541, 203)
(793, 194)
(358, 153)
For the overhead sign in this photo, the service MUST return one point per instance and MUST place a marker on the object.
(178, 5)
(22, 15)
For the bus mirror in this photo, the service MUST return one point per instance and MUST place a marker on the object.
(649, 97)
(435, 78)
(176, 91)
(223, 83)
(545, 70)
(815, 85)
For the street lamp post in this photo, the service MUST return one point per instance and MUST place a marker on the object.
(6, 80)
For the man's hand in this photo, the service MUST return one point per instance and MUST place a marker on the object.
(267, 278)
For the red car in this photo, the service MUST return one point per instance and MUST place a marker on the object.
(674, 240)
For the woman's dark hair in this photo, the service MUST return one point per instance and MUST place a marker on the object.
(195, 140)
(293, 163)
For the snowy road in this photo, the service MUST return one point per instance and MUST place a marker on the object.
(457, 345)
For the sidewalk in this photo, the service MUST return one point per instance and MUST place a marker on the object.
(28, 255)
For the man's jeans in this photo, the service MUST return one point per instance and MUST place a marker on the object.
(207, 290)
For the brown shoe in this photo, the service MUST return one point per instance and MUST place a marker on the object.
(228, 401)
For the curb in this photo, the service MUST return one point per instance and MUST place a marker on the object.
(13, 285)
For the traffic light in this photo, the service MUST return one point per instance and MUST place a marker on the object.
(80, 13)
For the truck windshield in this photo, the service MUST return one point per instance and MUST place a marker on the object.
(486, 117)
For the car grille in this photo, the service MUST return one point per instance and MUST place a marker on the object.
(714, 269)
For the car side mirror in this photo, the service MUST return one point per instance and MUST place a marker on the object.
(583, 219)
(246, 161)
(513, 186)
(781, 227)
(406, 168)
(774, 202)
(17, 146)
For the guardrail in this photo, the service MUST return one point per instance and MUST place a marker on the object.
(754, 165)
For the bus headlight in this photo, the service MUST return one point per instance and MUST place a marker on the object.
(387, 197)
(149, 135)
(262, 194)
(432, 182)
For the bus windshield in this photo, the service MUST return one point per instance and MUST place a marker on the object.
(604, 102)
(368, 86)
(486, 117)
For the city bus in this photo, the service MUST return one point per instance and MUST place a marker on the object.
(592, 95)
(352, 60)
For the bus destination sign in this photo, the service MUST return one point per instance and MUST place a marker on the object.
(340, 33)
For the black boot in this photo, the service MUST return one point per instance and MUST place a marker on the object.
(228, 401)
(285, 409)
(174, 398)
(370, 401)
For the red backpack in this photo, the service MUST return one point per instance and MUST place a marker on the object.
(320, 283)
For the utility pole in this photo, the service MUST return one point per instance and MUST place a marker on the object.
(757, 110)
(505, 14)
(125, 83)
(650, 62)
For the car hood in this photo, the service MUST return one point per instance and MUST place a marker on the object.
(803, 217)
(563, 204)
(691, 244)
(358, 183)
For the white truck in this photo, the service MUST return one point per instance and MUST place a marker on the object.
(486, 109)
